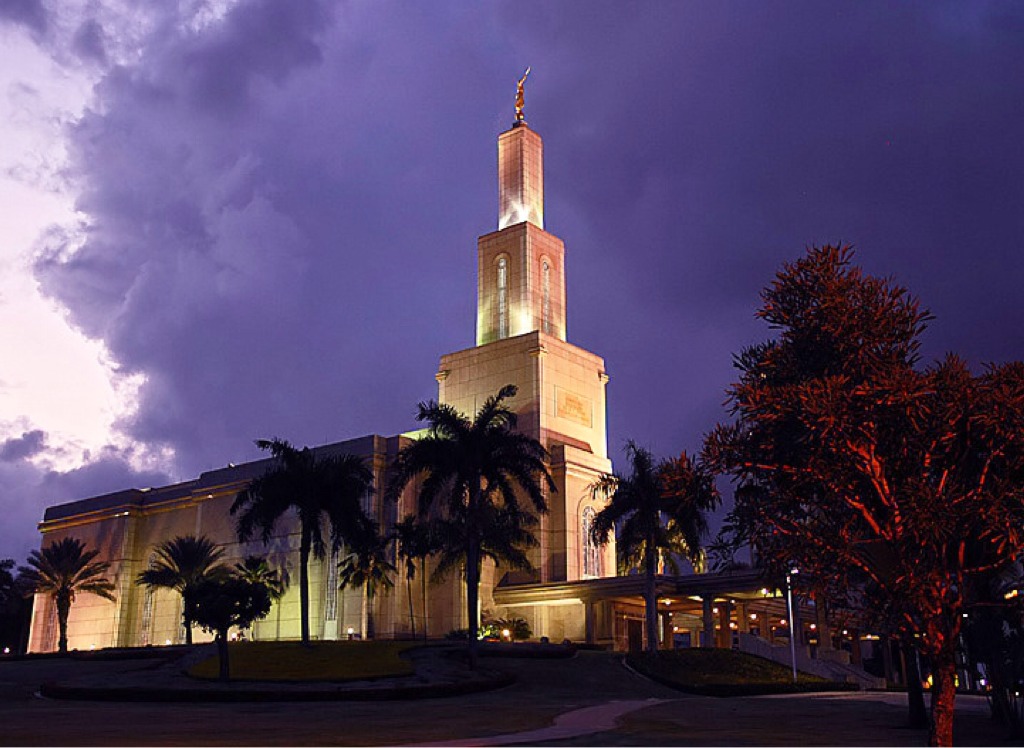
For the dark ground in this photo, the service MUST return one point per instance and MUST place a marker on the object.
(545, 689)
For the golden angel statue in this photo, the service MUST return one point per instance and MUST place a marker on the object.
(520, 99)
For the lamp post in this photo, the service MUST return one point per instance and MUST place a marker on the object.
(789, 604)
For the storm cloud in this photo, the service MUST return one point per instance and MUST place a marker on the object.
(280, 205)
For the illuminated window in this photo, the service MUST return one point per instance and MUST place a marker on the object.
(547, 297)
(502, 297)
(591, 552)
(146, 624)
(50, 632)
(331, 603)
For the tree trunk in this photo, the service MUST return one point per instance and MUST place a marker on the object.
(940, 730)
(222, 654)
(63, 603)
(472, 599)
(423, 590)
(186, 623)
(368, 612)
(304, 548)
(651, 599)
(917, 715)
(412, 610)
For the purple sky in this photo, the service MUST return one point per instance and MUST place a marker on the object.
(282, 206)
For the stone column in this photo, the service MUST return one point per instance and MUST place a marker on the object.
(708, 639)
(855, 655)
(821, 619)
(742, 618)
(724, 617)
(887, 663)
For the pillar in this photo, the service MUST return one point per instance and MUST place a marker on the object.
(724, 617)
(855, 654)
(708, 638)
(743, 618)
(887, 663)
(667, 639)
(821, 619)
(588, 622)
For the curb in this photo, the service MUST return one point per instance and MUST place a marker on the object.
(228, 695)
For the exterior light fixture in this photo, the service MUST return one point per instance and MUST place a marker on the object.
(167, 642)
(782, 621)
(506, 634)
(753, 616)
(814, 626)
(715, 611)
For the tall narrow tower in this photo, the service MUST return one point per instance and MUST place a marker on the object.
(521, 340)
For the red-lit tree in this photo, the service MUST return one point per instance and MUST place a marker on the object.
(851, 459)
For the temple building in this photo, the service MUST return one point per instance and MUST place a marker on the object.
(520, 340)
(573, 592)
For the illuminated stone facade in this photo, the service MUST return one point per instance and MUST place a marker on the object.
(521, 340)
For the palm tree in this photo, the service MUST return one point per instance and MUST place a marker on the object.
(659, 510)
(63, 569)
(257, 570)
(505, 532)
(367, 566)
(413, 540)
(469, 466)
(180, 564)
(314, 487)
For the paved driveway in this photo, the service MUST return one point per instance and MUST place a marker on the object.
(545, 690)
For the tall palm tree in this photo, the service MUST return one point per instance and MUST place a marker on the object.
(331, 487)
(413, 540)
(659, 510)
(63, 569)
(367, 567)
(180, 564)
(505, 534)
(468, 466)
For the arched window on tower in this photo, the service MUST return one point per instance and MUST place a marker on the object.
(546, 275)
(590, 549)
(502, 297)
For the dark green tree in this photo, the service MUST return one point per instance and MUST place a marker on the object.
(414, 545)
(181, 563)
(217, 604)
(367, 567)
(657, 514)
(849, 456)
(63, 569)
(257, 569)
(469, 467)
(316, 488)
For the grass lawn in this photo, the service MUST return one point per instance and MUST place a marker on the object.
(326, 661)
(723, 672)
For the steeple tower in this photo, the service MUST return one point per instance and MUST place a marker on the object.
(521, 340)
(521, 267)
